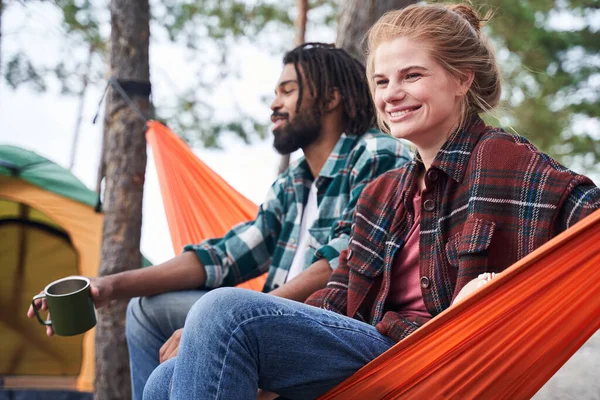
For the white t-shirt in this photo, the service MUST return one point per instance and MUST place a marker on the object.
(308, 218)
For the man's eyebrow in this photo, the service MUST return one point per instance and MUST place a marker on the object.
(281, 84)
(402, 71)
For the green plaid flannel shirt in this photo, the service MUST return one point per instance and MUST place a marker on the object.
(269, 242)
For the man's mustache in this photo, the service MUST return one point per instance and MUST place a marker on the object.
(279, 115)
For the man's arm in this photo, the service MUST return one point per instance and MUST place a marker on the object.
(372, 159)
(334, 297)
(182, 272)
(310, 280)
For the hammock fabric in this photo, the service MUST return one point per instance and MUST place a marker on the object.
(199, 204)
(502, 342)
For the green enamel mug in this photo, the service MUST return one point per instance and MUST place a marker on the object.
(70, 305)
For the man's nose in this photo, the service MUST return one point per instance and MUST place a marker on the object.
(276, 103)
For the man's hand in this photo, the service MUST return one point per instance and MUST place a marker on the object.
(100, 289)
(310, 280)
(171, 346)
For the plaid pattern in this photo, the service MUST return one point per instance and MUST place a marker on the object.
(269, 242)
(490, 199)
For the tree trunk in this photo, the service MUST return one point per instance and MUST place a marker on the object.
(125, 160)
(355, 19)
(300, 38)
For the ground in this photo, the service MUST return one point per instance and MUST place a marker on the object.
(579, 378)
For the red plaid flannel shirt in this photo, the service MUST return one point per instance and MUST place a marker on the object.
(490, 199)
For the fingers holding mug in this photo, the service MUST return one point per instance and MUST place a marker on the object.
(39, 303)
(70, 301)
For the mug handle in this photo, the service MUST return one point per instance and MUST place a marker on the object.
(35, 309)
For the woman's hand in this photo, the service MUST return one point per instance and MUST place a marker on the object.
(475, 284)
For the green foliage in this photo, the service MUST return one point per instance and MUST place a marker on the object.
(20, 70)
(219, 19)
(215, 27)
(550, 74)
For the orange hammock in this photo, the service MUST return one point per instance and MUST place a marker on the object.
(199, 203)
(506, 340)
(503, 342)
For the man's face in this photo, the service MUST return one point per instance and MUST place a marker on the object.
(293, 130)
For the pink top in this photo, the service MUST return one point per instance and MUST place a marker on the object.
(405, 294)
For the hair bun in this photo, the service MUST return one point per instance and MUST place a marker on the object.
(468, 13)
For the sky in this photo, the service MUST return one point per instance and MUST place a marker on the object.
(45, 122)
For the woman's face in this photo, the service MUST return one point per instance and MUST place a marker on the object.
(414, 95)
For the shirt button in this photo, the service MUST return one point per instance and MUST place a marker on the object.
(432, 174)
(293, 241)
(425, 282)
(428, 205)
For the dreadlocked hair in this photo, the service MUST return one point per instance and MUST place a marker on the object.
(325, 67)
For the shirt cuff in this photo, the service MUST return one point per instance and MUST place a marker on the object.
(214, 278)
(328, 253)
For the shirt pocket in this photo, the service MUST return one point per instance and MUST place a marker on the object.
(468, 250)
(318, 237)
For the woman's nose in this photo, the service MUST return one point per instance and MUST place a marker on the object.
(393, 93)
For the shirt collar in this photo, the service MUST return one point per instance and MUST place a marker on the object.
(335, 161)
(453, 157)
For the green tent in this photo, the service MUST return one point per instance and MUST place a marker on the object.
(49, 228)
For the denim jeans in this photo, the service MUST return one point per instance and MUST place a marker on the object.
(236, 341)
(150, 323)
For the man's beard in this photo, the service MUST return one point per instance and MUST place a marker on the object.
(305, 129)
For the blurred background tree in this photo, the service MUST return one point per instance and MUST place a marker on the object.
(548, 50)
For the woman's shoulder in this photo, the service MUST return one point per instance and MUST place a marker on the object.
(500, 149)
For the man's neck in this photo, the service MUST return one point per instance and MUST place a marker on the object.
(317, 153)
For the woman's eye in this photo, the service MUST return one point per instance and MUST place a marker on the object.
(412, 76)
(288, 91)
(381, 82)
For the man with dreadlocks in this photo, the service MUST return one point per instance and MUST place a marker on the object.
(323, 106)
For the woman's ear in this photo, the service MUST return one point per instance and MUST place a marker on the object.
(334, 99)
(465, 82)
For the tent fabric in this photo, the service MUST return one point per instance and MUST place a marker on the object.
(505, 340)
(30, 167)
(83, 227)
(49, 229)
(199, 204)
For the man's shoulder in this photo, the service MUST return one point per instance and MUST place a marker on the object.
(375, 143)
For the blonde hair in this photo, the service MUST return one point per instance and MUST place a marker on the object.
(453, 35)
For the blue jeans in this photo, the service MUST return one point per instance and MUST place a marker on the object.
(236, 341)
(150, 323)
